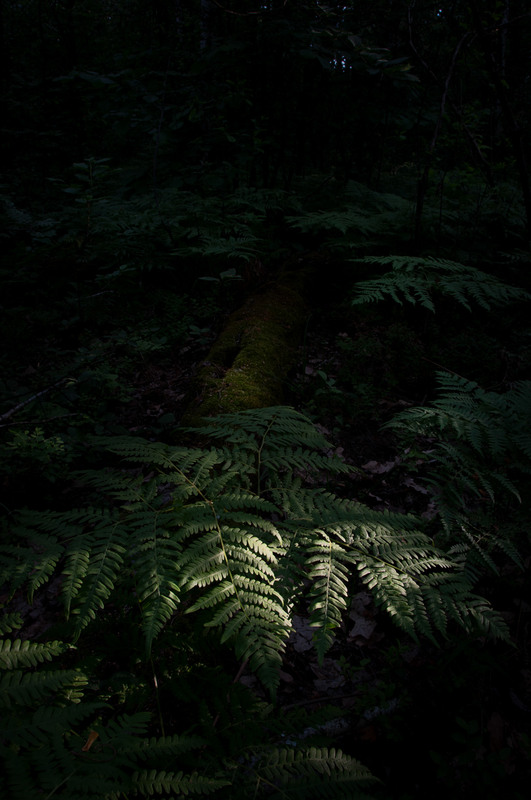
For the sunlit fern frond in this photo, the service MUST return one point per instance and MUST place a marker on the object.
(238, 534)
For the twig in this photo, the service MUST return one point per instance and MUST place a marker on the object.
(325, 699)
(33, 397)
(423, 182)
(246, 13)
(38, 421)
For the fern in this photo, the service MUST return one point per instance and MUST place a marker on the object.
(20, 653)
(328, 574)
(313, 773)
(368, 217)
(407, 575)
(231, 247)
(479, 442)
(243, 532)
(420, 280)
(53, 745)
(152, 781)
(10, 621)
(45, 748)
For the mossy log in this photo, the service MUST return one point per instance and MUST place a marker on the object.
(248, 365)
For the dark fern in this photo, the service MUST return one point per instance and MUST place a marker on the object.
(57, 742)
(309, 773)
(479, 445)
(54, 742)
(366, 219)
(420, 281)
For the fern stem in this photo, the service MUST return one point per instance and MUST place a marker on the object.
(441, 366)
(260, 779)
(235, 680)
(259, 453)
(55, 788)
(157, 697)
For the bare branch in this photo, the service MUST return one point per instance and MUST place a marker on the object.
(245, 13)
(29, 400)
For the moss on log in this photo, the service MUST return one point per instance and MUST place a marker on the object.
(249, 363)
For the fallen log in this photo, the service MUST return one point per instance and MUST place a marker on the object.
(248, 365)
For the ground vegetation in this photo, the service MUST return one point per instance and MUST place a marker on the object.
(265, 399)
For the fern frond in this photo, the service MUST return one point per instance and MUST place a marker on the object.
(166, 746)
(244, 247)
(19, 688)
(367, 217)
(249, 610)
(75, 570)
(108, 545)
(244, 530)
(341, 221)
(52, 760)
(10, 621)
(312, 773)
(155, 555)
(28, 563)
(18, 653)
(402, 569)
(274, 428)
(25, 728)
(308, 461)
(492, 424)
(329, 577)
(137, 450)
(147, 782)
(236, 499)
(421, 280)
(478, 444)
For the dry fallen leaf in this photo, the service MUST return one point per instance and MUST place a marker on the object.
(301, 635)
(363, 628)
(378, 468)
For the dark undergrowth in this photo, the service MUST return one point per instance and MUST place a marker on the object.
(326, 598)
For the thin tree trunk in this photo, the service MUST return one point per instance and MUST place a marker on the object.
(513, 130)
(422, 187)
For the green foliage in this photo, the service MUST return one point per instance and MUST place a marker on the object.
(239, 534)
(144, 233)
(57, 741)
(479, 448)
(366, 219)
(422, 280)
(28, 450)
(148, 161)
(313, 772)
(27, 654)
